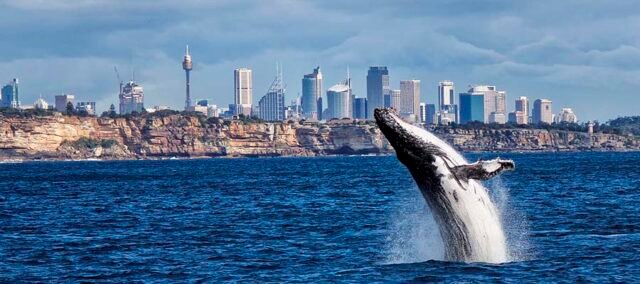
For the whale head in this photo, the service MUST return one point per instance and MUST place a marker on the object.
(414, 146)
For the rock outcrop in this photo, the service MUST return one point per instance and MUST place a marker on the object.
(520, 139)
(175, 135)
(70, 137)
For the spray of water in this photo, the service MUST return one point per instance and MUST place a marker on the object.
(514, 222)
(414, 235)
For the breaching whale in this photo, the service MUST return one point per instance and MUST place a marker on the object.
(468, 220)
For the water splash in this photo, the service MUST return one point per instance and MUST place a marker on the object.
(413, 233)
(514, 222)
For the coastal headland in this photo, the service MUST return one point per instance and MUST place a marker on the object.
(154, 136)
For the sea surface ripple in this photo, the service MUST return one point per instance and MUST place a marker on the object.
(569, 217)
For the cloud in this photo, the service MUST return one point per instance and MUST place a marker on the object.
(570, 51)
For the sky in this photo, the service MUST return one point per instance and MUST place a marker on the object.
(581, 54)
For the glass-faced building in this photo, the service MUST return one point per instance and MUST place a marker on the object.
(338, 102)
(360, 108)
(471, 107)
(10, 95)
(377, 87)
(312, 95)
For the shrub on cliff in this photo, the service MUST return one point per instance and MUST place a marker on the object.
(26, 113)
(90, 143)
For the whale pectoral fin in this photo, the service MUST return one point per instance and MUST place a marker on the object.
(483, 170)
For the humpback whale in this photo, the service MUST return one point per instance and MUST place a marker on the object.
(467, 219)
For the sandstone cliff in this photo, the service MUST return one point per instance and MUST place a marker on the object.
(70, 137)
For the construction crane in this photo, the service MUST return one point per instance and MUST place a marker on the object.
(115, 68)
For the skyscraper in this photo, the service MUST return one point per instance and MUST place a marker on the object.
(495, 107)
(11, 95)
(271, 106)
(312, 95)
(187, 65)
(395, 99)
(377, 84)
(410, 97)
(472, 107)
(445, 94)
(542, 111)
(447, 109)
(522, 105)
(339, 102)
(430, 114)
(423, 113)
(62, 101)
(243, 91)
(131, 98)
(360, 108)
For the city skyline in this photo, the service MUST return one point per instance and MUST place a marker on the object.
(573, 65)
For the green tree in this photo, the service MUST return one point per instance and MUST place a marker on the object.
(70, 109)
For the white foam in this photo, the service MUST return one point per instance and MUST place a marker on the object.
(413, 236)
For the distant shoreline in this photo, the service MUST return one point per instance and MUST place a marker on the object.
(191, 136)
(18, 161)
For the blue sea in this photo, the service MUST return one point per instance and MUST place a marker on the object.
(568, 217)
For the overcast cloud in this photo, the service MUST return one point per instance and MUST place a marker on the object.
(579, 53)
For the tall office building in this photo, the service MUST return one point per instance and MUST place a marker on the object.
(271, 106)
(62, 101)
(312, 95)
(131, 98)
(447, 108)
(445, 94)
(386, 98)
(472, 107)
(410, 97)
(395, 99)
(187, 65)
(495, 108)
(542, 112)
(377, 86)
(423, 113)
(243, 91)
(360, 108)
(11, 95)
(339, 102)
(431, 114)
(522, 106)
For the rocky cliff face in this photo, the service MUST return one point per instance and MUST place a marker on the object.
(66, 137)
(535, 140)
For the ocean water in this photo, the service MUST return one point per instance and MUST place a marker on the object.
(568, 216)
